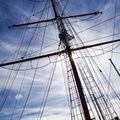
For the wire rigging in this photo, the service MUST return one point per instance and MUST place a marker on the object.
(4, 97)
(6, 84)
(20, 89)
(47, 90)
(114, 25)
(33, 76)
(98, 24)
(114, 17)
(102, 5)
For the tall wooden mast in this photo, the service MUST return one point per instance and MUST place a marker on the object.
(63, 35)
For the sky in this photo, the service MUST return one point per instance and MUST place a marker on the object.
(23, 86)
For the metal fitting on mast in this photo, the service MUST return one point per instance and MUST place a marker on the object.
(63, 34)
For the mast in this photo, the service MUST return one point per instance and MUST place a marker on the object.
(64, 38)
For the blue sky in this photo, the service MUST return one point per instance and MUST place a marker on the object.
(15, 86)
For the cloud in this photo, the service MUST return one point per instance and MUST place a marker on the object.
(18, 97)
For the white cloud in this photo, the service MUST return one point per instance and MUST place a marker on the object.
(18, 97)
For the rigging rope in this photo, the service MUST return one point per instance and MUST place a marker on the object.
(114, 23)
(31, 83)
(10, 87)
(9, 76)
(47, 90)
(35, 67)
(102, 5)
(18, 93)
(98, 24)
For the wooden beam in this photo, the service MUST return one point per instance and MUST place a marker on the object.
(53, 19)
(58, 53)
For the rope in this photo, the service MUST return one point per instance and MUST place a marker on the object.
(114, 23)
(47, 90)
(99, 23)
